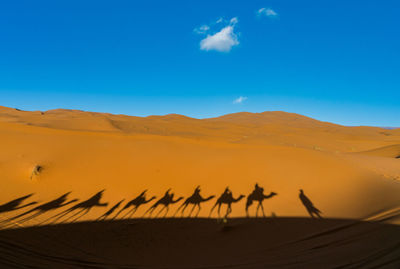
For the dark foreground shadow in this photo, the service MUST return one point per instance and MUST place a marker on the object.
(242, 243)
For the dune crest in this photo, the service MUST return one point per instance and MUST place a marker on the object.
(392, 151)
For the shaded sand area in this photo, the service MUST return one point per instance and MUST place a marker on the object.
(204, 243)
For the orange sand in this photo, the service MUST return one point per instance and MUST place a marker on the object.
(86, 152)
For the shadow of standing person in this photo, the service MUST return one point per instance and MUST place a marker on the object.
(312, 210)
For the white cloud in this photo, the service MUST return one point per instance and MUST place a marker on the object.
(223, 40)
(240, 100)
(269, 12)
(202, 29)
(234, 20)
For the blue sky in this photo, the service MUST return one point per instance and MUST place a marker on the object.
(336, 61)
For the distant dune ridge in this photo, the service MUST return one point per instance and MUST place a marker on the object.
(347, 172)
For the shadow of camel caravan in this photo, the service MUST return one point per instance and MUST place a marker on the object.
(225, 198)
(135, 204)
(81, 208)
(195, 199)
(110, 211)
(44, 208)
(259, 196)
(165, 201)
(16, 204)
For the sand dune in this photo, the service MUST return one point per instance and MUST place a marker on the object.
(85, 152)
(392, 151)
(276, 127)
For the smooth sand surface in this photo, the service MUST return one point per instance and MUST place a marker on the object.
(347, 172)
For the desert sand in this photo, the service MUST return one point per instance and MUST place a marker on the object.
(350, 173)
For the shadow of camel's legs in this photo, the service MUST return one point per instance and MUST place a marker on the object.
(219, 211)
(258, 208)
(262, 209)
(84, 213)
(247, 211)
(191, 211)
(29, 217)
(87, 211)
(46, 220)
(119, 212)
(228, 210)
(133, 211)
(150, 211)
(18, 216)
(103, 217)
(166, 211)
(212, 209)
(14, 221)
(179, 208)
(127, 213)
(159, 212)
(73, 215)
(60, 215)
(183, 210)
(198, 211)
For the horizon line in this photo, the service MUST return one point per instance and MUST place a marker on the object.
(204, 118)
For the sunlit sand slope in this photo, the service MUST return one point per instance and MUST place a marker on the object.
(392, 151)
(84, 153)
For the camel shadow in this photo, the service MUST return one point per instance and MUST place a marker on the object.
(259, 196)
(225, 198)
(109, 212)
(195, 199)
(80, 209)
(16, 204)
(135, 204)
(165, 201)
(43, 208)
(311, 209)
